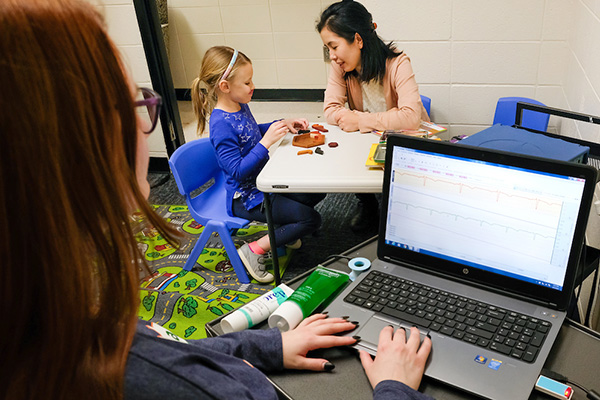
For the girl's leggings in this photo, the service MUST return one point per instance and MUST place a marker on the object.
(293, 214)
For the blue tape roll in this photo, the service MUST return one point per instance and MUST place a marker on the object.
(358, 265)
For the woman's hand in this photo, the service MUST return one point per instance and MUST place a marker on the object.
(348, 120)
(397, 358)
(276, 131)
(295, 124)
(315, 332)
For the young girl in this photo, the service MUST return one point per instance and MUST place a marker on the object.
(242, 151)
(375, 80)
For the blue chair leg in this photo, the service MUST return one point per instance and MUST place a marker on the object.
(198, 247)
(221, 229)
(234, 257)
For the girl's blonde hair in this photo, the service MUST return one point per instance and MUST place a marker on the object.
(204, 87)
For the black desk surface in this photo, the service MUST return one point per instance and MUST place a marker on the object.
(576, 354)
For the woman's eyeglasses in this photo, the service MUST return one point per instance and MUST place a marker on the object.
(152, 101)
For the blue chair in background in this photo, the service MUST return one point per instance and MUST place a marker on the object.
(427, 104)
(506, 111)
(193, 166)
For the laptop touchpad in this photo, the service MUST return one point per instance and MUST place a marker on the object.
(369, 333)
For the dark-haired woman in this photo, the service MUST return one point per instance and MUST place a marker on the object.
(375, 79)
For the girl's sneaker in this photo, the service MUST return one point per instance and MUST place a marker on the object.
(255, 264)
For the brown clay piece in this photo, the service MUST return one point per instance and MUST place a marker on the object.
(307, 140)
(319, 128)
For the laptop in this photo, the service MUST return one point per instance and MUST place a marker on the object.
(479, 249)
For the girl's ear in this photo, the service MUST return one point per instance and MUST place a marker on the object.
(358, 40)
(224, 86)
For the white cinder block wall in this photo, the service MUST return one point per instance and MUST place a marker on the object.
(123, 28)
(465, 53)
(581, 81)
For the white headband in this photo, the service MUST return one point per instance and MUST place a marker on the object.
(230, 66)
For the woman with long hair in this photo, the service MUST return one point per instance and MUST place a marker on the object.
(373, 77)
(73, 169)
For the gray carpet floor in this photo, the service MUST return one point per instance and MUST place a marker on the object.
(334, 237)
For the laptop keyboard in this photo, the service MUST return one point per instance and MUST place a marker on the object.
(504, 331)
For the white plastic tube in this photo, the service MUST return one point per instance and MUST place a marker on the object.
(256, 311)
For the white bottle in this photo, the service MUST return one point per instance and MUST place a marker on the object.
(256, 311)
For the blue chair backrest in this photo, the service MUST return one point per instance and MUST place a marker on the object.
(194, 164)
(427, 104)
(506, 111)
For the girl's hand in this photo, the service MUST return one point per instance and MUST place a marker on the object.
(276, 131)
(315, 332)
(397, 358)
(295, 124)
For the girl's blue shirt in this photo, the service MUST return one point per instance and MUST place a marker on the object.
(235, 137)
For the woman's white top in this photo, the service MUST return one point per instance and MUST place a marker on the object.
(373, 96)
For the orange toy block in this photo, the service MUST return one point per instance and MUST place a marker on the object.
(319, 128)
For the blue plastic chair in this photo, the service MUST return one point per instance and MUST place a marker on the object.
(506, 112)
(193, 165)
(427, 104)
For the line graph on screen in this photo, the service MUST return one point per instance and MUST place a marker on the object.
(470, 217)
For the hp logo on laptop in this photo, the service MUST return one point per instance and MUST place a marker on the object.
(465, 271)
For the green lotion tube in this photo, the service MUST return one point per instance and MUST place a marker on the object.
(321, 285)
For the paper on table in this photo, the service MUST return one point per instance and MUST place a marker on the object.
(371, 163)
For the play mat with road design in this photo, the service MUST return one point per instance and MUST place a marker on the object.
(184, 301)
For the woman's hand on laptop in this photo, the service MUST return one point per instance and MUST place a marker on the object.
(397, 358)
(315, 332)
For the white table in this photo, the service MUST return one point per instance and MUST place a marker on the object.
(339, 169)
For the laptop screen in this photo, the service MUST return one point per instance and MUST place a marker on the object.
(498, 217)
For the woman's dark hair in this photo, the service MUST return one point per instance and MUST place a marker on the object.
(345, 19)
